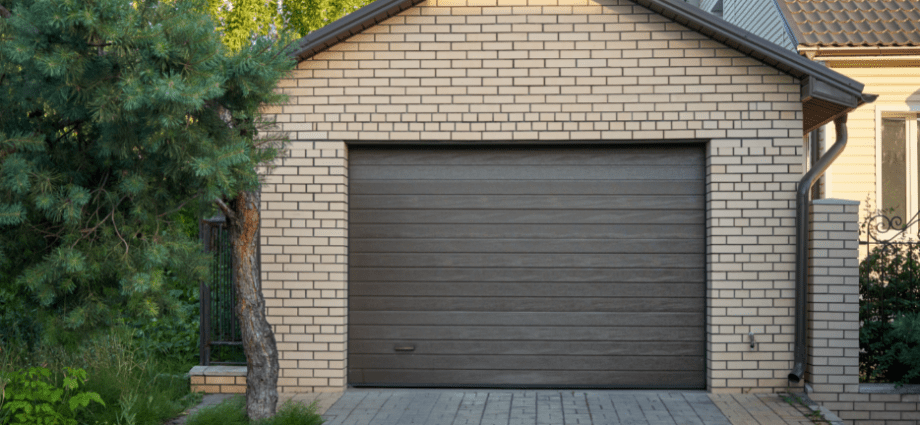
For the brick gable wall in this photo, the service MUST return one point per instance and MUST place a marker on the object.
(547, 70)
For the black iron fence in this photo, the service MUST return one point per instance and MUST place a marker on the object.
(889, 289)
(890, 265)
(221, 342)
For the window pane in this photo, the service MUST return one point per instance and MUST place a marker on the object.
(894, 167)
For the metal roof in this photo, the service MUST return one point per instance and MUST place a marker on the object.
(840, 23)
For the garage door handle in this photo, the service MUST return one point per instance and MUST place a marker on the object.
(404, 348)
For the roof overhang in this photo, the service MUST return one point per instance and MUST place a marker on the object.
(826, 94)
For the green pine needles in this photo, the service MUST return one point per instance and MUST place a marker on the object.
(115, 116)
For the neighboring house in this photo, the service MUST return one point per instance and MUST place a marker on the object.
(877, 43)
(553, 193)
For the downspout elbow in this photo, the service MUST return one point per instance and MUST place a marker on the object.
(801, 246)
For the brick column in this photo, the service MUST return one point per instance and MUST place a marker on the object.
(304, 261)
(833, 303)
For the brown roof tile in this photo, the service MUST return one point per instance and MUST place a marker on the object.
(890, 23)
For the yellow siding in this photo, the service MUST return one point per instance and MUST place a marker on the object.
(853, 175)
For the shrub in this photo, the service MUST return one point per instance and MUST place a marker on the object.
(889, 288)
(136, 388)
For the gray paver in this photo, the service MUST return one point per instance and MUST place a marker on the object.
(549, 408)
(498, 409)
(471, 408)
(524, 407)
(708, 412)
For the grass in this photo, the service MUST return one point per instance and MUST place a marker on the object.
(138, 389)
(815, 416)
(233, 412)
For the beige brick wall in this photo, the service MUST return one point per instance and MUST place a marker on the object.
(833, 298)
(547, 70)
(833, 323)
(304, 248)
(218, 379)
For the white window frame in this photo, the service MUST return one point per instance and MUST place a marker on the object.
(913, 167)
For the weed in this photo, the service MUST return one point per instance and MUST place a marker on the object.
(230, 412)
(294, 413)
(815, 416)
(233, 412)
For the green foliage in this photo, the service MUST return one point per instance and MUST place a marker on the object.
(242, 21)
(174, 335)
(903, 355)
(136, 388)
(233, 412)
(889, 288)
(32, 398)
(117, 116)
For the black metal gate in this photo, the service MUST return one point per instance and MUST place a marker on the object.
(221, 341)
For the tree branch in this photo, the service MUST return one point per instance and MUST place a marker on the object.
(225, 209)
(179, 207)
(4, 12)
(115, 225)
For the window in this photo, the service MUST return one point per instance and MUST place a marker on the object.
(900, 160)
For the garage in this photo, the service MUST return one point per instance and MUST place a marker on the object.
(527, 266)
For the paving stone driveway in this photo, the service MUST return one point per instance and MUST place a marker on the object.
(533, 407)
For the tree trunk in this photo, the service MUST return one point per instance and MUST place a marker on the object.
(258, 338)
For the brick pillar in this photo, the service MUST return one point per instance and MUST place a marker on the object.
(304, 262)
(833, 303)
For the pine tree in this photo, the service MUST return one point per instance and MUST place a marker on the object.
(115, 114)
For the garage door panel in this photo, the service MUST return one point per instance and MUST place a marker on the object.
(520, 348)
(460, 318)
(622, 232)
(516, 378)
(530, 333)
(610, 246)
(526, 260)
(517, 216)
(662, 156)
(533, 289)
(527, 266)
(531, 362)
(524, 172)
(527, 187)
(563, 202)
(556, 274)
(525, 303)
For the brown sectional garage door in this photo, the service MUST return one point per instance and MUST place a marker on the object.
(527, 266)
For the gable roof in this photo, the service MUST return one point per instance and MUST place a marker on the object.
(826, 94)
(839, 23)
